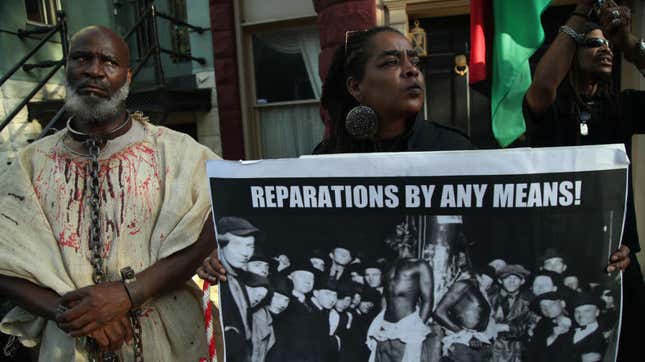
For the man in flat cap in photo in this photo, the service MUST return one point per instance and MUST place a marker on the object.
(511, 313)
(236, 239)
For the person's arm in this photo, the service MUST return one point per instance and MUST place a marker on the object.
(427, 290)
(555, 63)
(449, 299)
(98, 305)
(29, 296)
(43, 302)
(616, 25)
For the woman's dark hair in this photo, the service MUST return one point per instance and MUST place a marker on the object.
(348, 61)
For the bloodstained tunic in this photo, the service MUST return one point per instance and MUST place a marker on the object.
(154, 200)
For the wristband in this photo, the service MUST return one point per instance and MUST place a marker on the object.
(566, 29)
(128, 278)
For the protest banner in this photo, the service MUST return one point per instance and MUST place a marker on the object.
(463, 255)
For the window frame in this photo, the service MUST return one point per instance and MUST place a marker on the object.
(253, 143)
(47, 8)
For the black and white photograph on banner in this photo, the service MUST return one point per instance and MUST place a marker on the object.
(467, 256)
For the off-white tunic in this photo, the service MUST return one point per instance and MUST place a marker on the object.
(154, 201)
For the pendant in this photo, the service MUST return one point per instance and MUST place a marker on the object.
(584, 116)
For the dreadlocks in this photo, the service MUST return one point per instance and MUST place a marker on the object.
(574, 76)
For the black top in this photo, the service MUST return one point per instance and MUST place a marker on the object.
(606, 119)
(422, 135)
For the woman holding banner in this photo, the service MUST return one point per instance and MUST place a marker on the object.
(374, 93)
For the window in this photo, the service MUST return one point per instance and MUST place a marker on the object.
(42, 11)
(280, 71)
(287, 91)
(179, 35)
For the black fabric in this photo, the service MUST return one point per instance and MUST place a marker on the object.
(238, 348)
(297, 340)
(422, 135)
(612, 120)
(539, 351)
(615, 121)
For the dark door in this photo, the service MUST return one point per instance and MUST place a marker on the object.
(449, 98)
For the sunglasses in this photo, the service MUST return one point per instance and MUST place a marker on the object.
(349, 34)
(595, 43)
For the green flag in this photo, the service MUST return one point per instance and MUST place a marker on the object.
(518, 33)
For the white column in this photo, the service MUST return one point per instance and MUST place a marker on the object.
(396, 15)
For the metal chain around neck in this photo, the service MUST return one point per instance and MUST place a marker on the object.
(96, 258)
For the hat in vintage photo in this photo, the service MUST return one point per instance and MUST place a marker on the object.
(513, 269)
(236, 226)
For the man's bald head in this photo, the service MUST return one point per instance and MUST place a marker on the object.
(98, 75)
(104, 34)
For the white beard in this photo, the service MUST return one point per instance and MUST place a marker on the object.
(93, 108)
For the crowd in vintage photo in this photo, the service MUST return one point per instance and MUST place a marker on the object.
(427, 302)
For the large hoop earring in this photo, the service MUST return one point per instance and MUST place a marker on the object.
(361, 123)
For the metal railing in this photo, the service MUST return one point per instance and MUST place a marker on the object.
(49, 31)
(149, 18)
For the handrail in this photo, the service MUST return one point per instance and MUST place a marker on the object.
(139, 66)
(33, 92)
(38, 30)
(60, 27)
(199, 60)
(154, 51)
(51, 123)
(176, 21)
(24, 59)
(144, 16)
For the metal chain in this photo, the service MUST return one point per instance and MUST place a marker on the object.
(98, 275)
(96, 259)
(136, 328)
(11, 347)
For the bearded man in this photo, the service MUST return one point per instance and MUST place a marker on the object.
(104, 223)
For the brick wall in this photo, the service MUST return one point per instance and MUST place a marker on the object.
(226, 78)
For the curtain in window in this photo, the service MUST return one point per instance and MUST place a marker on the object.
(290, 131)
(298, 41)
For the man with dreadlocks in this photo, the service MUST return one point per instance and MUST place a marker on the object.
(571, 102)
(103, 225)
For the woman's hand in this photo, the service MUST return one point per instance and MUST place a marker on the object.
(212, 269)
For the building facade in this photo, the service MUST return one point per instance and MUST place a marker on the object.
(178, 73)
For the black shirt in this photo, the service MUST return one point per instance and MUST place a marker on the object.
(606, 119)
(422, 135)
